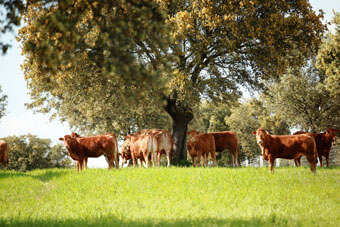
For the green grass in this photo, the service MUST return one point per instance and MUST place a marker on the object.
(171, 197)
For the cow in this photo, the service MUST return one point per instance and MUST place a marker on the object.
(134, 146)
(201, 144)
(323, 144)
(76, 135)
(80, 148)
(140, 147)
(227, 140)
(4, 153)
(287, 147)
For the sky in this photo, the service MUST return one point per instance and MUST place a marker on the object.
(21, 121)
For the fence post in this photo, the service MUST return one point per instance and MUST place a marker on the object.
(277, 162)
(261, 161)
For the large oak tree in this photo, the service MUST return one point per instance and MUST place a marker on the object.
(108, 64)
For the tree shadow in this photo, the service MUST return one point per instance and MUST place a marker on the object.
(114, 221)
(45, 176)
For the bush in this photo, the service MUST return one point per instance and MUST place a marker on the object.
(28, 152)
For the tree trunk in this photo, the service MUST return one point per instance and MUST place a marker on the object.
(181, 116)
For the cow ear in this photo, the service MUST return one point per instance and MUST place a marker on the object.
(61, 139)
(267, 132)
(254, 132)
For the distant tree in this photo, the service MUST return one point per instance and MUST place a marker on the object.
(3, 103)
(328, 59)
(303, 101)
(29, 152)
(250, 116)
(209, 117)
(99, 63)
(58, 157)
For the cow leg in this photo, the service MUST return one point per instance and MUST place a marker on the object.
(77, 166)
(312, 163)
(297, 161)
(205, 159)
(213, 157)
(85, 162)
(146, 159)
(81, 163)
(271, 164)
(159, 155)
(133, 157)
(320, 159)
(193, 161)
(327, 158)
(117, 161)
(198, 160)
(168, 157)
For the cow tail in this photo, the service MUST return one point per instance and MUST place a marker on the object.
(116, 151)
(315, 152)
(238, 156)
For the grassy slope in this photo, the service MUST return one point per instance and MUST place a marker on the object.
(171, 197)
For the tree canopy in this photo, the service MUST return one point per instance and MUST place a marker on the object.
(328, 59)
(28, 152)
(121, 65)
(302, 99)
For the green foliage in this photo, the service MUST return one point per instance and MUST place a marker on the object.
(303, 101)
(328, 59)
(3, 103)
(29, 152)
(209, 117)
(171, 197)
(92, 64)
(10, 17)
(250, 116)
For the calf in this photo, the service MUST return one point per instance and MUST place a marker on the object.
(323, 144)
(201, 144)
(81, 148)
(4, 153)
(286, 146)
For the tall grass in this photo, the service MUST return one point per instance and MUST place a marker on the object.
(171, 197)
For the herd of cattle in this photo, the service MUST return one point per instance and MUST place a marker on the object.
(147, 146)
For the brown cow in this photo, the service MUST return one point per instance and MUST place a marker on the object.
(76, 135)
(4, 153)
(201, 144)
(286, 146)
(81, 148)
(323, 144)
(227, 140)
(134, 147)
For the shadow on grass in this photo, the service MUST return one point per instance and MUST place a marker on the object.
(44, 176)
(113, 221)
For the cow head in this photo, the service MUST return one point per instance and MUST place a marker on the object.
(192, 133)
(331, 133)
(68, 141)
(125, 150)
(260, 135)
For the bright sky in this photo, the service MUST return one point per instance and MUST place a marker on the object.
(20, 121)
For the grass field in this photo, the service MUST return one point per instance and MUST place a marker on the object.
(171, 197)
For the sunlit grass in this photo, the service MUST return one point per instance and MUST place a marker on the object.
(171, 197)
